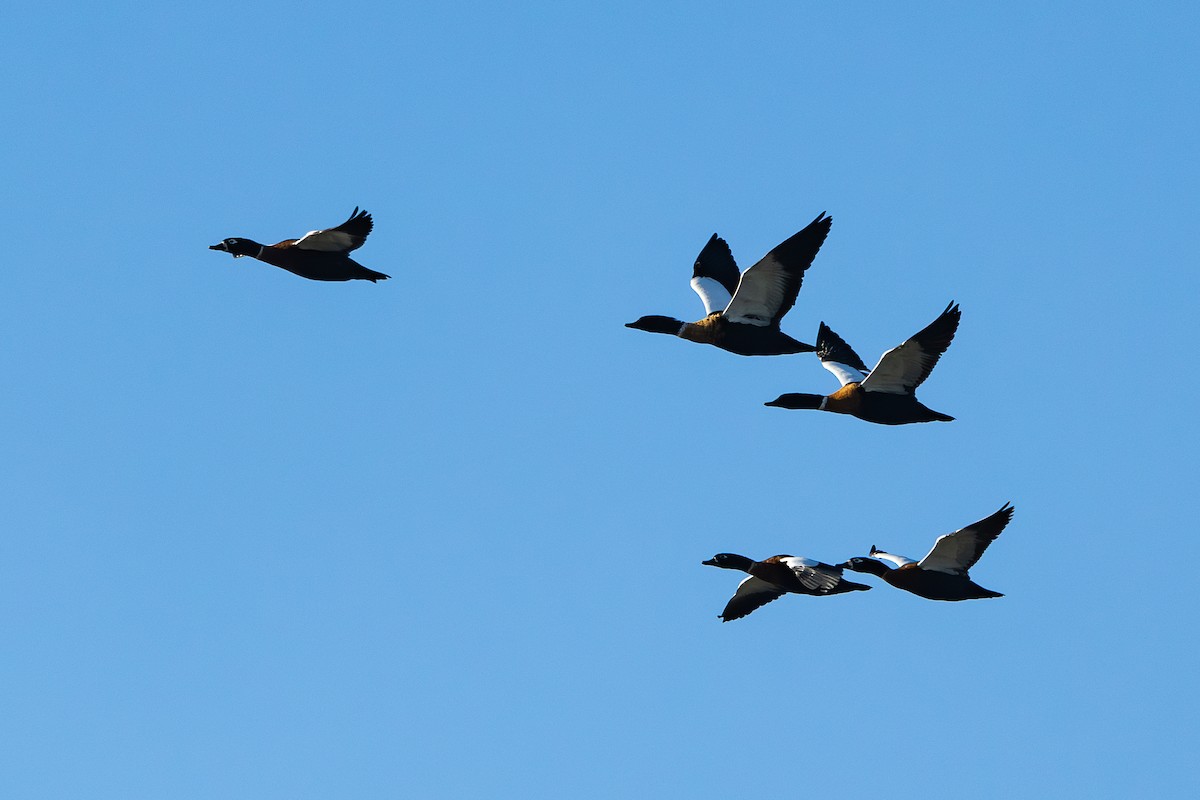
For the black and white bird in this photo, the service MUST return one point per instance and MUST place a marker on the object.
(743, 309)
(886, 394)
(318, 255)
(776, 576)
(944, 573)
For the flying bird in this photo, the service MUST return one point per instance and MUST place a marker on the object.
(776, 576)
(943, 573)
(318, 255)
(886, 394)
(744, 308)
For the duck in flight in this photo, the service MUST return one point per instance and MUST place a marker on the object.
(776, 576)
(318, 255)
(943, 573)
(744, 308)
(886, 394)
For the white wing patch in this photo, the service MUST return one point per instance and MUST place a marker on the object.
(715, 296)
(326, 240)
(759, 295)
(899, 561)
(844, 372)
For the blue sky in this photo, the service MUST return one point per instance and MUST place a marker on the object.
(441, 536)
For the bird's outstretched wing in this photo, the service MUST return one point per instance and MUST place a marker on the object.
(957, 552)
(348, 236)
(768, 290)
(902, 369)
(839, 357)
(752, 593)
(715, 275)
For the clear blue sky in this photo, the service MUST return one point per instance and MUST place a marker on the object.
(441, 536)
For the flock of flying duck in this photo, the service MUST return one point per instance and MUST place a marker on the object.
(742, 315)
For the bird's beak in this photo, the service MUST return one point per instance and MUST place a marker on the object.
(712, 562)
(219, 246)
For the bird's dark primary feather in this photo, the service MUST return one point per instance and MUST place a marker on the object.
(716, 261)
(831, 347)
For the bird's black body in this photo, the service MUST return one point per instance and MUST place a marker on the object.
(317, 265)
(879, 407)
(925, 583)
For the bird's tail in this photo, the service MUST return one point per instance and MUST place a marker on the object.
(370, 274)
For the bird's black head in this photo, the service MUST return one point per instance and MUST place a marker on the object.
(795, 401)
(238, 247)
(729, 561)
(657, 324)
(859, 564)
